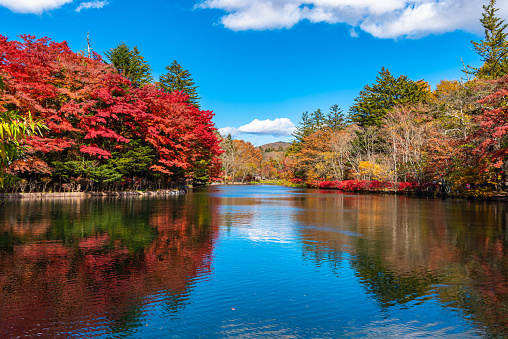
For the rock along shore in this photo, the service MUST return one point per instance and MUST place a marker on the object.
(86, 194)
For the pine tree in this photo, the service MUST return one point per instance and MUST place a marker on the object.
(494, 48)
(130, 64)
(179, 79)
(318, 119)
(335, 119)
(375, 100)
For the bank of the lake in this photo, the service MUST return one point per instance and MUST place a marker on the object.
(38, 195)
(412, 189)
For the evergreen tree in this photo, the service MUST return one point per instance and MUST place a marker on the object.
(375, 100)
(303, 128)
(335, 119)
(309, 124)
(130, 64)
(179, 79)
(318, 119)
(494, 48)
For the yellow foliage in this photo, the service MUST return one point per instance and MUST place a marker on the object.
(372, 171)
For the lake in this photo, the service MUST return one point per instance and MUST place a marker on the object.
(253, 262)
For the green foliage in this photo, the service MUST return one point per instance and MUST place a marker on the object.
(116, 219)
(375, 100)
(336, 119)
(134, 160)
(130, 64)
(89, 169)
(179, 79)
(388, 287)
(317, 120)
(13, 130)
(200, 171)
(494, 48)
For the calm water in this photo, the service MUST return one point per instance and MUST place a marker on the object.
(253, 262)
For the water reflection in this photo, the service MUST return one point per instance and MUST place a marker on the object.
(88, 265)
(253, 262)
(406, 251)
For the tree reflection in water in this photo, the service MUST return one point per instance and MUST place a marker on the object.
(406, 250)
(90, 264)
(108, 266)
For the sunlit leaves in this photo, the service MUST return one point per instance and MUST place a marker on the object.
(95, 114)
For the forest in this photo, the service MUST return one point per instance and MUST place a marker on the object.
(73, 122)
(400, 135)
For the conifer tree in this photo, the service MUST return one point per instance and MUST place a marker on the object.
(311, 123)
(335, 119)
(375, 100)
(179, 79)
(130, 64)
(494, 48)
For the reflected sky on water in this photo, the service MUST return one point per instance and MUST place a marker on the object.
(253, 262)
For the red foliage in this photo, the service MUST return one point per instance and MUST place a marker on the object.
(404, 186)
(369, 185)
(91, 111)
(491, 136)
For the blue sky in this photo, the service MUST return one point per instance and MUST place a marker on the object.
(260, 63)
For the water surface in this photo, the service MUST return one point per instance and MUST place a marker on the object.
(253, 262)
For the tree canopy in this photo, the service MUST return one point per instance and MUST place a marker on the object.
(493, 49)
(130, 64)
(102, 128)
(375, 100)
(179, 79)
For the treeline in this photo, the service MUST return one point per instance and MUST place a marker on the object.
(74, 122)
(242, 162)
(398, 130)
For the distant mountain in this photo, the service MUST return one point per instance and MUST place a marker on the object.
(275, 146)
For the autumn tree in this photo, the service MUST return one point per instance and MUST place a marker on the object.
(375, 100)
(240, 159)
(179, 79)
(317, 120)
(406, 128)
(341, 151)
(228, 158)
(101, 126)
(130, 64)
(313, 160)
(248, 162)
(493, 49)
(491, 138)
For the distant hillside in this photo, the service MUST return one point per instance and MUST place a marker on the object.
(275, 146)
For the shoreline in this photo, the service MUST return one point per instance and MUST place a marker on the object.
(412, 194)
(40, 195)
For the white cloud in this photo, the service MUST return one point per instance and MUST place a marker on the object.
(277, 127)
(91, 4)
(33, 6)
(228, 130)
(381, 18)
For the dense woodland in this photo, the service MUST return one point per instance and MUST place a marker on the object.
(74, 122)
(401, 135)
